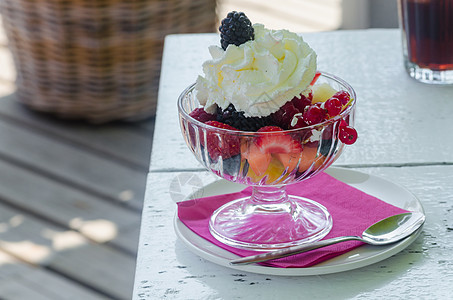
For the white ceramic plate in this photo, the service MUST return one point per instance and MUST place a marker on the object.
(357, 258)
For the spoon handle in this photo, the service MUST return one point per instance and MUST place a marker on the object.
(291, 250)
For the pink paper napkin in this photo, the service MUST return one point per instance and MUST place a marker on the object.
(352, 212)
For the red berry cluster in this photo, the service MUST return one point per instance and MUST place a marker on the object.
(301, 112)
(284, 116)
(298, 113)
(321, 111)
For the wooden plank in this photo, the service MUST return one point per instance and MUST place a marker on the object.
(66, 252)
(57, 176)
(89, 264)
(129, 142)
(126, 142)
(127, 238)
(20, 281)
(95, 218)
(60, 161)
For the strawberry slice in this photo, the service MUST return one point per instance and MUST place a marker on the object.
(310, 158)
(274, 141)
(271, 141)
(221, 143)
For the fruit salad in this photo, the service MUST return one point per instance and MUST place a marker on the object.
(262, 113)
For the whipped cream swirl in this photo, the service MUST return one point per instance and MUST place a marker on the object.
(259, 76)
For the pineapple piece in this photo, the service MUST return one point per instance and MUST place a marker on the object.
(322, 92)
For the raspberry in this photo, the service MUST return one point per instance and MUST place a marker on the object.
(235, 29)
(301, 103)
(237, 119)
(220, 125)
(201, 115)
(298, 122)
(284, 115)
(220, 144)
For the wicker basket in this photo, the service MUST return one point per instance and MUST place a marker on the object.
(97, 60)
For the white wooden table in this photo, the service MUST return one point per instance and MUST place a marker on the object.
(404, 136)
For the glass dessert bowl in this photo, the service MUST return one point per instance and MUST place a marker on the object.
(268, 160)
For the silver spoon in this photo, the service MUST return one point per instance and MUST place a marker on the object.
(386, 231)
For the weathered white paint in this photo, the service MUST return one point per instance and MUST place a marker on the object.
(166, 269)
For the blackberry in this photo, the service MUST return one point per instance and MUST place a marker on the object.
(237, 119)
(232, 165)
(235, 29)
(326, 145)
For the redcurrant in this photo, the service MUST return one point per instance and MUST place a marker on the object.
(314, 114)
(333, 106)
(348, 135)
(343, 96)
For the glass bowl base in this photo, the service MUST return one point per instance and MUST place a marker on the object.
(245, 224)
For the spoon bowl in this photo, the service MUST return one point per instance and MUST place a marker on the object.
(393, 229)
(384, 232)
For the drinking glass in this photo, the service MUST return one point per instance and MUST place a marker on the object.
(427, 39)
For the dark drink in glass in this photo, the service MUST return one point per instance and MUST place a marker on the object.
(427, 27)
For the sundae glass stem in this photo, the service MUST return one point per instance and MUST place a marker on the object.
(269, 199)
